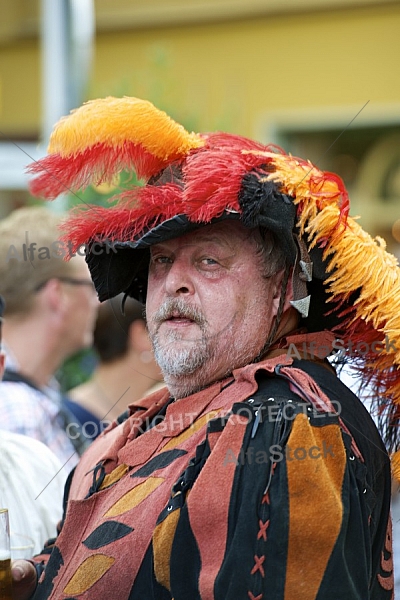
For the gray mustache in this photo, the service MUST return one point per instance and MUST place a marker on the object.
(178, 306)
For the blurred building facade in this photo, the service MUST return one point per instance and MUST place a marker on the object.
(318, 77)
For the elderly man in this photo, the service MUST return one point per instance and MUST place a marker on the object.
(255, 474)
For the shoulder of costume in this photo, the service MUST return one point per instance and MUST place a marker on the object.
(158, 397)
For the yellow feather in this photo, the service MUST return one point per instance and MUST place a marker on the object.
(395, 464)
(114, 121)
(304, 182)
(356, 261)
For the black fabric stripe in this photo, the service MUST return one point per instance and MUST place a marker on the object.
(159, 462)
(106, 533)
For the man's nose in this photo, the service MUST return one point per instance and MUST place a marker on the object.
(179, 280)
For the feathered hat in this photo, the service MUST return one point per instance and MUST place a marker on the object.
(343, 280)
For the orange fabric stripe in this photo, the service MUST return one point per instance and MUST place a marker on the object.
(187, 433)
(163, 538)
(316, 462)
(134, 496)
(114, 476)
(90, 571)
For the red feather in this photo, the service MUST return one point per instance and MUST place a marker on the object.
(58, 175)
(213, 176)
(138, 210)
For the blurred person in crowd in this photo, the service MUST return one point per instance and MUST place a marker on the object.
(30, 483)
(126, 368)
(253, 474)
(50, 313)
(367, 392)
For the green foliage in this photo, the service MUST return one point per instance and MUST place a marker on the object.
(76, 369)
(104, 194)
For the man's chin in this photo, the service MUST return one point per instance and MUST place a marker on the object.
(185, 360)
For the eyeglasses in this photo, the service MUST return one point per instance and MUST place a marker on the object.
(70, 280)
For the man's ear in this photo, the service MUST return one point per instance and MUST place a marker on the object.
(278, 291)
(2, 363)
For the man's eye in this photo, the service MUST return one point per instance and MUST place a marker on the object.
(209, 261)
(161, 260)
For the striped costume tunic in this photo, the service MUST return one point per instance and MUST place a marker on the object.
(270, 485)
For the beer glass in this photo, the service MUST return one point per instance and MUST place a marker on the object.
(21, 546)
(5, 557)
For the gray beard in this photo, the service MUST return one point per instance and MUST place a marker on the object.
(188, 365)
(180, 361)
(177, 357)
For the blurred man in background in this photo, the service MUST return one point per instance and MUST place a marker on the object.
(50, 312)
(126, 370)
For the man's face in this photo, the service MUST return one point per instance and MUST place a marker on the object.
(209, 307)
